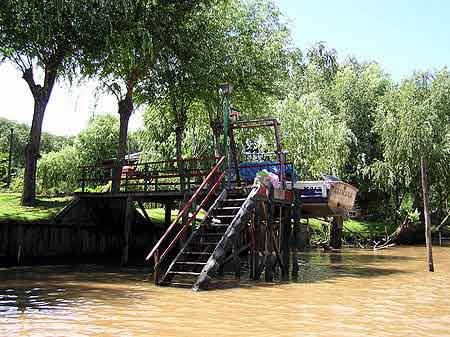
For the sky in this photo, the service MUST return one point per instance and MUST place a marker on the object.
(403, 36)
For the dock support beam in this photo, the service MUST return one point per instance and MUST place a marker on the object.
(167, 214)
(336, 232)
(127, 229)
(285, 232)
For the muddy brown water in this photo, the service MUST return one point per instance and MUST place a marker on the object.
(354, 293)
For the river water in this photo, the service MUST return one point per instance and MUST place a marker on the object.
(352, 293)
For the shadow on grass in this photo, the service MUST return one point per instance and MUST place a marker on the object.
(49, 204)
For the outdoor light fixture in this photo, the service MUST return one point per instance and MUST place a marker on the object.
(225, 89)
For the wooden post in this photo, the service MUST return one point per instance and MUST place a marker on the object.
(156, 267)
(336, 232)
(268, 249)
(167, 214)
(236, 259)
(126, 229)
(285, 231)
(423, 165)
(252, 239)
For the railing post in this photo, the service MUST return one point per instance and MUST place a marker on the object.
(156, 268)
(145, 177)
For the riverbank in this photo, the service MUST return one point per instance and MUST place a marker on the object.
(46, 208)
(352, 293)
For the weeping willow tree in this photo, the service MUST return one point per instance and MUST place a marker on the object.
(43, 39)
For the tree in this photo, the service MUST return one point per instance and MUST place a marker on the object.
(317, 141)
(412, 121)
(98, 141)
(60, 171)
(357, 90)
(44, 36)
(49, 142)
(130, 51)
(245, 44)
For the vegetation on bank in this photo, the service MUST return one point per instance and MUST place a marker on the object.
(43, 209)
(46, 208)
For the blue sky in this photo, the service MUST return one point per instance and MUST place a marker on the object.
(401, 35)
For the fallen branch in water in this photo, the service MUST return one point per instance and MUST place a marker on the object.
(384, 246)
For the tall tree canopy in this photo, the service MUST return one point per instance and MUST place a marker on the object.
(136, 32)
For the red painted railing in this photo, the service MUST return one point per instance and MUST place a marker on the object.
(211, 179)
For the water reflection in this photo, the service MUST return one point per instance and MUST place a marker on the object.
(353, 293)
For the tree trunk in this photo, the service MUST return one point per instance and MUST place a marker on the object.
(216, 128)
(125, 111)
(32, 151)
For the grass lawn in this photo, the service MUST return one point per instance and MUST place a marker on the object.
(363, 228)
(157, 214)
(43, 210)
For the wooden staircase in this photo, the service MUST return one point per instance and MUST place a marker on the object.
(192, 258)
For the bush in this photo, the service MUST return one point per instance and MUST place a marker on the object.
(58, 172)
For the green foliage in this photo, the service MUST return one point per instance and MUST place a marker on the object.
(49, 142)
(59, 171)
(99, 140)
(3, 168)
(44, 209)
(316, 140)
(413, 122)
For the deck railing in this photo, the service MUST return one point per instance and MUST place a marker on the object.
(212, 181)
(169, 175)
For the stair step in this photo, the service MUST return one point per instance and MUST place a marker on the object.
(207, 243)
(218, 224)
(180, 284)
(191, 263)
(197, 253)
(227, 208)
(225, 216)
(184, 273)
(237, 199)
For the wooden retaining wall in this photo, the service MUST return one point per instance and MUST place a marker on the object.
(88, 230)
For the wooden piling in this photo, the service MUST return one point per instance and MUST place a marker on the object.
(336, 232)
(128, 219)
(285, 231)
(423, 166)
(167, 214)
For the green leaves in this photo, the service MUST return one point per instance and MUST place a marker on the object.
(413, 121)
(317, 141)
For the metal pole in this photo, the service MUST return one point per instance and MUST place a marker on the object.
(226, 124)
(8, 182)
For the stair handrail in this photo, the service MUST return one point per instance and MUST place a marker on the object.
(186, 209)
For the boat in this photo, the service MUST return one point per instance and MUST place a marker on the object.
(325, 197)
